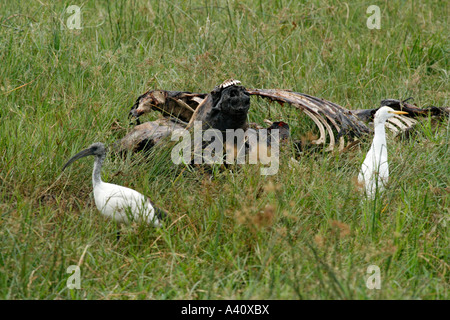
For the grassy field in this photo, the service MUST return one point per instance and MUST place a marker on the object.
(303, 233)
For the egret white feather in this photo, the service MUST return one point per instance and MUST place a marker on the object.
(374, 174)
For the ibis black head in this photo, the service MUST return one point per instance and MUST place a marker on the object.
(96, 149)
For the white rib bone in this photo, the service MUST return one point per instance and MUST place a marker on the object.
(322, 137)
(341, 138)
(398, 123)
(330, 132)
(197, 99)
(392, 127)
(408, 121)
(183, 104)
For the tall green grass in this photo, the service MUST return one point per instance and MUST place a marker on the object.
(303, 233)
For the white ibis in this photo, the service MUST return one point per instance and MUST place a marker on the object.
(121, 204)
(374, 173)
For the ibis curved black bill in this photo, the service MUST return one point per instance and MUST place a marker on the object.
(79, 155)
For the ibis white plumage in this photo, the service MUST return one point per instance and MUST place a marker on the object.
(374, 173)
(121, 204)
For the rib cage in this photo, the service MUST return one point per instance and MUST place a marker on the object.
(323, 113)
(333, 121)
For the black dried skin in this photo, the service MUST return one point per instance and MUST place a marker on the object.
(230, 109)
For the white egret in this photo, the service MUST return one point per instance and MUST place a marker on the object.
(121, 204)
(374, 173)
